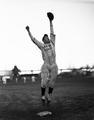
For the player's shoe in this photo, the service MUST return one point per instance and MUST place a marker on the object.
(43, 98)
(49, 96)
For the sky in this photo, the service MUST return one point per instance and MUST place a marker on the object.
(73, 25)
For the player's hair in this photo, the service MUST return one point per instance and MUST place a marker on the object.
(44, 37)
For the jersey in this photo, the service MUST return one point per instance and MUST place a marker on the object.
(48, 53)
(48, 50)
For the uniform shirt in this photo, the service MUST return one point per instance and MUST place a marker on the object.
(48, 50)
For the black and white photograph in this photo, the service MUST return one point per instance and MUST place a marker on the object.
(47, 60)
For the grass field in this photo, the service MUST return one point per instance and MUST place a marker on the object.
(72, 100)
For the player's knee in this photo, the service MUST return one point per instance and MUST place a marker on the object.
(51, 84)
(43, 84)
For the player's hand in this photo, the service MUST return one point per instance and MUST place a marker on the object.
(27, 28)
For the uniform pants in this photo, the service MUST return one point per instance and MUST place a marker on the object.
(48, 75)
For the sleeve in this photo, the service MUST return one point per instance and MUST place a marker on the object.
(52, 35)
(52, 38)
(39, 44)
(34, 40)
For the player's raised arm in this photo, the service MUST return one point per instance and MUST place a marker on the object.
(52, 35)
(39, 44)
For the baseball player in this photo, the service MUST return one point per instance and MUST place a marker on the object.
(49, 69)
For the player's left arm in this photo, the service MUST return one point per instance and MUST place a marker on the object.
(52, 35)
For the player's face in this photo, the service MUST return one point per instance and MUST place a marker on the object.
(46, 40)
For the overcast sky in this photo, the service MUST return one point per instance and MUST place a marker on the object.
(73, 26)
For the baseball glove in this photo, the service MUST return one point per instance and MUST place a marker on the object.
(50, 16)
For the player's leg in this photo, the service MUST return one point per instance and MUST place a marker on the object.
(53, 76)
(44, 80)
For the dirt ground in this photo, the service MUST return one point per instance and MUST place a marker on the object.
(72, 100)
